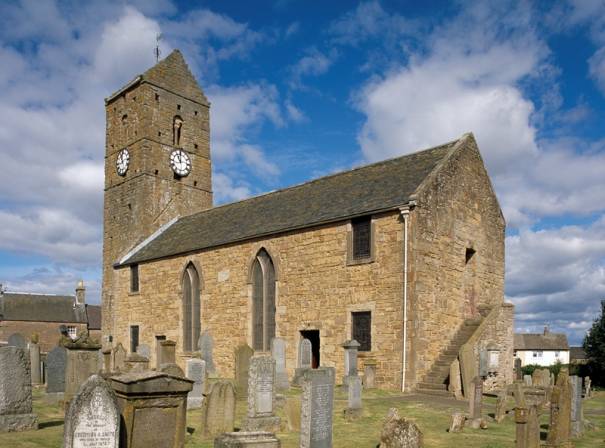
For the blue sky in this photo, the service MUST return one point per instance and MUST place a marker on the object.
(302, 89)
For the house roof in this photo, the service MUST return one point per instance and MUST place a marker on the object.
(93, 313)
(548, 341)
(40, 308)
(577, 353)
(369, 189)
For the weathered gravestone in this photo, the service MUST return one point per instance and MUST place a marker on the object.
(500, 413)
(16, 391)
(455, 385)
(369, 374)
(34, 358)
(196, 371)
(317, 402)
(93, 417)
(527, 427)
(456, 422)
(475, 402)
(167, 353)
(540, 378)
(278, 351)
(261, 392)
(527, 380)
(153, 408)
(305, 360)
(354, 408)
(56, 362)
(118, 358)
(218, 410)
(136, 363)
(17, 340)
(246, 439)
(350, 348)
(82, 362)
(144, 350)
(206, 346)
(106, 360)
(398, 432)
(243, 353)
(587, 387)
(559, 428)
(518, 371)
(577, 415)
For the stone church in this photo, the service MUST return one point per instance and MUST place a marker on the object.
(406, 256)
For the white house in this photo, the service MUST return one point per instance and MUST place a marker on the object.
(544, 349)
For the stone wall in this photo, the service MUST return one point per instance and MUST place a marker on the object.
(315, 289)
(48, 331)
(456, 210)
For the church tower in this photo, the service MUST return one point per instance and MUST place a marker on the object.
(157, 161)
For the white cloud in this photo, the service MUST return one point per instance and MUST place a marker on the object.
(596, 65)
(313, 63)
(225, 189)
(254, 157)
(85, 175)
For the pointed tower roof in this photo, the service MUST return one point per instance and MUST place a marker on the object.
(171, 73)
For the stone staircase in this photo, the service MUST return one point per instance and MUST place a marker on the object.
(436, 381)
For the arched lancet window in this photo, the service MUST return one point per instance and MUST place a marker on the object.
(177, 126)
(263, 301)
(191, 308)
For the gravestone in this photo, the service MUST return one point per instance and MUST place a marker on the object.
(354, 408)
(106, 360)
(261, 392)
(34, 358)
(144, 350)
(292, 410)
(206, 346)
(475, 402)
(153, 407)
(317, 402)
(278, 351)
(533, 428)
(196, 371)
(350, 348)
(305, 359)
(246, 439)
(518, 371)
(500, 413)
(540, 378)
(457, 422)
(577, 415)
(118, 358)
(527, 380)
(243, 353)
(136, 363)
(17, 340)
(56, 363)
(455, 385)
(369, 374)
(398, 432)
(167, 353)
(82, 362)
(559, 428)
(172, 369)
(218, 410)
(16, 391)
(93, 417)
(587, 387)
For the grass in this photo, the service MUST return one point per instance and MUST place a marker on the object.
(431, 415)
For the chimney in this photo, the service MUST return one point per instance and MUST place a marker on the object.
(546, 330)
(80, 293)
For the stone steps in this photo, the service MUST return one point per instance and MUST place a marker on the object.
(432, 386)
(441, 393)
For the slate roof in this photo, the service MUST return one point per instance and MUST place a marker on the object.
(369, 189)
(577, 354)
(40, 308)
(93, 313)
(548, 341)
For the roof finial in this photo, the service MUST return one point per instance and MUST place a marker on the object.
(156, 50)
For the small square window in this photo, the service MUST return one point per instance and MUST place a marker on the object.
(134, 278)
(362, 237)
(72, 332)
(362, 329)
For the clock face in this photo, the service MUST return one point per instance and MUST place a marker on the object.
(122, 162)
(180, 162)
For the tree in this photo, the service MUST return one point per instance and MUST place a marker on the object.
(594, 343)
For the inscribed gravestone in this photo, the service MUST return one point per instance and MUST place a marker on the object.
(93, 417)
(206, 346)
(17, 340)
(196, 371)
(56, 361)
(218, 410)
(353, 409)
(304, 354)
(15, 391)
(278, 351)
(577, 424)
(261, 391)
(242, 363)
(560, 412)
(316, 408)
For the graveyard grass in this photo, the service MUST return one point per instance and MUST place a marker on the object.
(432, 416)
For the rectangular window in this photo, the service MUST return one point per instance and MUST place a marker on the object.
(362, 329)
(134, 278)
(72, 332)
(362, 228)
(557, 354)
(538, 354)
(134, 338)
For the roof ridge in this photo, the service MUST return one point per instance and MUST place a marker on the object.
(36, 294)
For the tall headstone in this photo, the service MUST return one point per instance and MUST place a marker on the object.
(106, 361)
(196, 371)
(354, 408)
(119, 357)
(559, 428)
(521, 419)
(261, 393)
(317, 403)
(34, 358)
(243, 354)
(475, 402)
(587, 387)
(350, 348)
(93, 417)
(518, 371)
(305, 360)
(533, 428)
(278, 351)
(16, 391)
(500, 413)
(153, 407)
(455, 385)
(206, 346)
(218, 410)
(56, 363)
(82, 362)
(17, 340)
(577, 420)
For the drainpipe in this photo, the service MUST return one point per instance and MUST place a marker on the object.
(405, 214)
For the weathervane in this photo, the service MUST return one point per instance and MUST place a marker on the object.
(156, 50)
